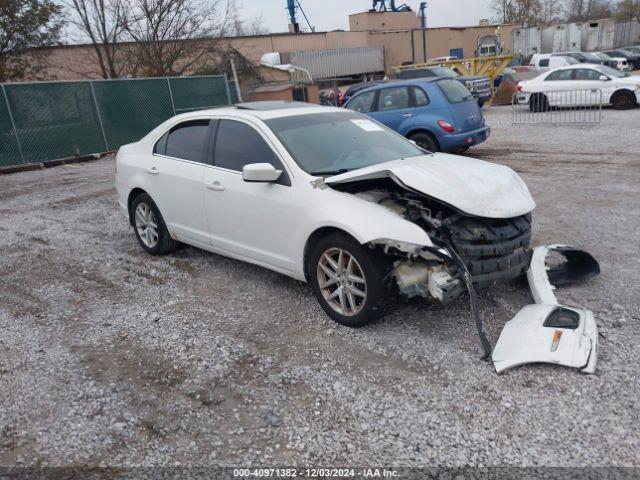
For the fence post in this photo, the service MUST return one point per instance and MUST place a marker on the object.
(95, 102)
(13, 123)
(226, 83)
(173, 105)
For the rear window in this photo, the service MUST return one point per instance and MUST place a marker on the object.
(454, 91)
(186, 141)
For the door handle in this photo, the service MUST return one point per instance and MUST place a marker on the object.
(153, 171)
(407, 115)
(214, 186)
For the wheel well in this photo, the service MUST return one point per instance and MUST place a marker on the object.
(423, 130)
(315, 236)
(132, 195)
(625, 91)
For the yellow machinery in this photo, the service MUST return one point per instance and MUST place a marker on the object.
(486, 66)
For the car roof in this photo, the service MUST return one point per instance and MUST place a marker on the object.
(412, 81)
(262, 110)
(578, 65)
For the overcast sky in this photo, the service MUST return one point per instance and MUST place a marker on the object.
(334, 14)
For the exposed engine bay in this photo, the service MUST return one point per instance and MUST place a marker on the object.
(471, 251)
(491, 249)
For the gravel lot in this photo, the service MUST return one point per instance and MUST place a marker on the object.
(109, 356)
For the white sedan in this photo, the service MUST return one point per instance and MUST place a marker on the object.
(326, 196)
(582, 84)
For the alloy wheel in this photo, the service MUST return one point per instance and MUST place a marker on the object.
(341, 281)
(146, 225)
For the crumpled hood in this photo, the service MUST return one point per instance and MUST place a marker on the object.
(472, 186)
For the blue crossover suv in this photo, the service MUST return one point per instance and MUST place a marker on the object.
(439, 114)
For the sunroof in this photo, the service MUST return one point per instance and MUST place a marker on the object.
(273, 105)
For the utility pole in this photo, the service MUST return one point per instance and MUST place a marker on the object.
(504, 11)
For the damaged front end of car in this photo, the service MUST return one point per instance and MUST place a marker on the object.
(472, 251)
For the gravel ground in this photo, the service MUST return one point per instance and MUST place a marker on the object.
(109, 356)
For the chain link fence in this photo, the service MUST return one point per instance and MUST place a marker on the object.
(52, 120)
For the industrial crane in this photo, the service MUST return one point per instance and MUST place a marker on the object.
(381, 6)
(292, 6)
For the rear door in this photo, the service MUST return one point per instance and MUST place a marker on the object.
(176, 174)
(557, 86)
(394, 107)
(463, 107)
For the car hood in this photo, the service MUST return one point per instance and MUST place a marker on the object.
(472, 186)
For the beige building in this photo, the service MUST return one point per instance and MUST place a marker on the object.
(399, 33)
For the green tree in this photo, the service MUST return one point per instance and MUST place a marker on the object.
(24, 25)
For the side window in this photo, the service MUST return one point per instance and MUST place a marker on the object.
(587, 74)
(186, 140)
(362, 103)
(393, 98)
(544, 62)
(421, 97)
(559, 75)
(238, 144)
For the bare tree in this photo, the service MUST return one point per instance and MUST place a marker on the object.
(628, 10)
(254, 26)
(24, 25)
(101, 23)
(171, 36)
(583, 10)
(519, 12)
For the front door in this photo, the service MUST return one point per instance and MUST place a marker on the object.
(250, 220)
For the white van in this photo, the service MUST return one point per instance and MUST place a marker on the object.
(546, 61)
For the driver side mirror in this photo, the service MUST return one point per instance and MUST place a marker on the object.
(260, 172)
(603, 78)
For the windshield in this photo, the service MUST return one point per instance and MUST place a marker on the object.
(571, 60)
(603, 56)
(454, 91)
(444, 72)
(590, 57)
(337, 142)
(612, 72)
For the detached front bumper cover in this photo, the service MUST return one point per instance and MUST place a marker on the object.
(548, 332)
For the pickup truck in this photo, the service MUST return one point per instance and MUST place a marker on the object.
(480, 87)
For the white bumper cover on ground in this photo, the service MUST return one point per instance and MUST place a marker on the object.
(548, 332)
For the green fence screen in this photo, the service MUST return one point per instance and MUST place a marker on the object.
(51, 120)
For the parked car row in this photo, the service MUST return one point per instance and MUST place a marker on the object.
(623, 59)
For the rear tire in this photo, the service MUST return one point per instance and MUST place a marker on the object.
(538, 103)
(623, 100)
(149, 227)
(347, 279)
(426, 141)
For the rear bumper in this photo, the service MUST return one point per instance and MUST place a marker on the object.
(453, 141)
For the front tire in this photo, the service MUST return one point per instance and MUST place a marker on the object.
(426, 141)
(149, 227)
(623, 100)
(347, 279)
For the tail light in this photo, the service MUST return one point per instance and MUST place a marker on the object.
(519, 87)
(446, 126)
